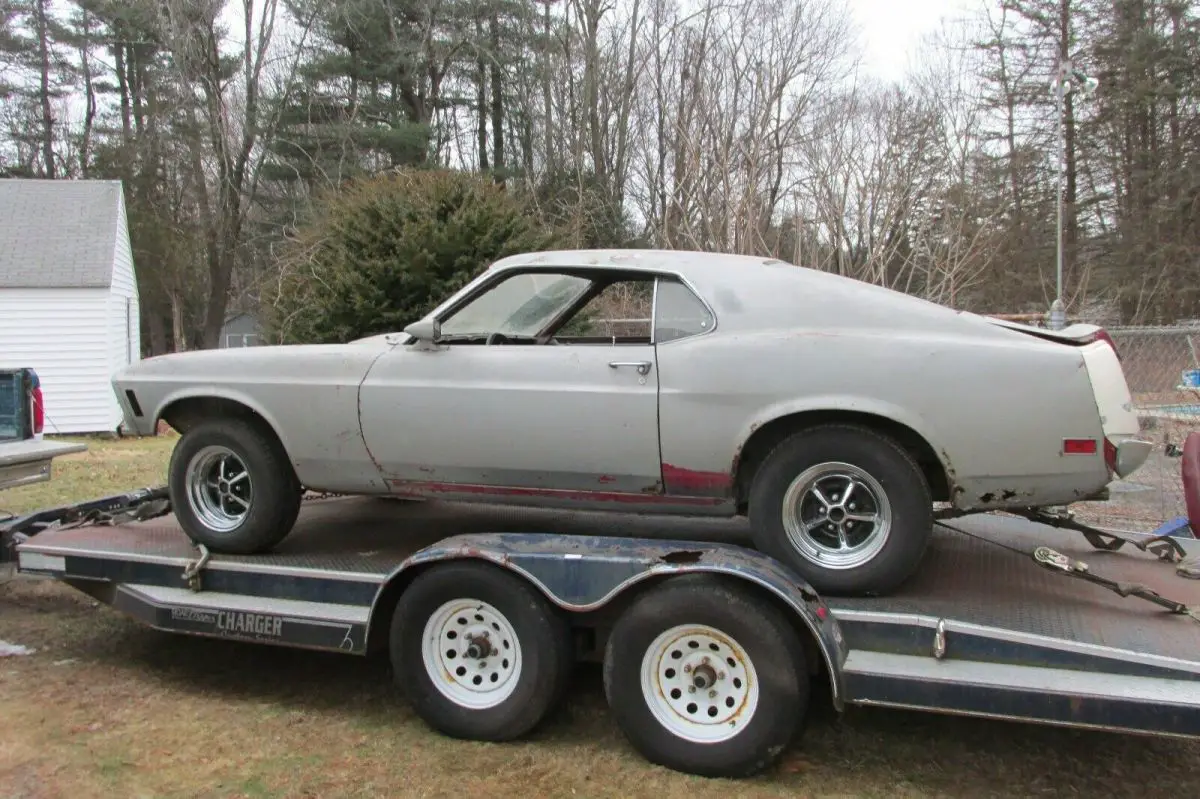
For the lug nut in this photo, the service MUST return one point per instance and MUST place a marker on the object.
(712, 694)
(720, 675)
(687, 669)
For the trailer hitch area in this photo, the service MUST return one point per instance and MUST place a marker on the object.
(1164, 547)
(191, 573)
(1056, 561)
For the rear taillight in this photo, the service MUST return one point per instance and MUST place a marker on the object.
(1110, 456)
(1079, 446)
(1102, 335)
(38, 410)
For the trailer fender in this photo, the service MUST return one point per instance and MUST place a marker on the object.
(585, 573)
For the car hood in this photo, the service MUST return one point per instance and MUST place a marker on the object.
(239, 359)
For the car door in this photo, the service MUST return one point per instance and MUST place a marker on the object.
(558, 419)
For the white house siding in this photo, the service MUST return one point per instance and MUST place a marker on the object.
(62, 334)
(124, 328)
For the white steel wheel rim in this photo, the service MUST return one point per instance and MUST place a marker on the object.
(219, 488)
(699, 683)
(471, 653)
(837, 515)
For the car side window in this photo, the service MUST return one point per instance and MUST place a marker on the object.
(679, 313)
(619, 313)
(520, 305)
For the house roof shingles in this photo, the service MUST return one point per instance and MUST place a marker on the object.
(57, 233)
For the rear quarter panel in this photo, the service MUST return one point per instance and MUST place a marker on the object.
(308, 394)
(994, 405)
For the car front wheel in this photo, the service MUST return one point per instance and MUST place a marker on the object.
(847, 508)
(232, 488)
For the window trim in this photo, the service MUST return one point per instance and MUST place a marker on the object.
(591, 273)
(687, 284)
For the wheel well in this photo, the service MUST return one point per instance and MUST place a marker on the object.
(764, 439)
(185, 413)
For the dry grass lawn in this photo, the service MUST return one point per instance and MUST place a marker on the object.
(107, 708)
(110, 466)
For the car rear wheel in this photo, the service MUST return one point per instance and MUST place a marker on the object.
(232, 488)
(847, 508)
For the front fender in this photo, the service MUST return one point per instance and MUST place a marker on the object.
(585, 573)
(223, 393)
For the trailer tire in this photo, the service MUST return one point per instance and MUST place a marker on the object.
(804, 472)
(479, 695)
(273, 501)
(679, 636)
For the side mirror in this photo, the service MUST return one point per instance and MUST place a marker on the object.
(429, 330)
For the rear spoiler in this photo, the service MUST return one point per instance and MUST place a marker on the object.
(1079, 334)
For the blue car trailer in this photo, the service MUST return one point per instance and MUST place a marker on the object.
(711, 651)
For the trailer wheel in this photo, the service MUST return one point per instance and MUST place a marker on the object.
(232, 488)
(706, 678)
(480, 653)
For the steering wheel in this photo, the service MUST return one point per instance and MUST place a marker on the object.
(497, 338)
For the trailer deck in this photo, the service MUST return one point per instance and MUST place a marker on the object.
(981, 630)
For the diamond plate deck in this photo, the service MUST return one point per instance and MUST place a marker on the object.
(964, 577)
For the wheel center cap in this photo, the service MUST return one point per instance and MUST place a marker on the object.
(704, 676)
(478, 647)
(836, 514)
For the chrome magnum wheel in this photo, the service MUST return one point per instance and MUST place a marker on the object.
(849, 509)
(232, 487)
(837, 514)
(219, 488)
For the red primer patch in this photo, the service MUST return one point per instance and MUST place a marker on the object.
(693, 483)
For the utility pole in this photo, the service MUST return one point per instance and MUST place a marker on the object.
(1062, 87)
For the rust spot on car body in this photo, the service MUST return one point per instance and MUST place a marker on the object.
(605, 479)
(650, 495)
(695, 483)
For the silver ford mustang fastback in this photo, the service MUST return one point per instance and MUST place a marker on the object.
(833, 413)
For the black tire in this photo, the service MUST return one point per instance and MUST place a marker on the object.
(769, 643)
(903, 485)
(540, 627)
(274, 504)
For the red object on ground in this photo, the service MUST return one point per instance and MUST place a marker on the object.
(1191, 480)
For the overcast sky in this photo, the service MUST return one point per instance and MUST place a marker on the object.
(891, 30)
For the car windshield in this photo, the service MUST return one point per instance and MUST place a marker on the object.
(519, 306)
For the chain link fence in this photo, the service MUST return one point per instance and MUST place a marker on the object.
(1162, 365)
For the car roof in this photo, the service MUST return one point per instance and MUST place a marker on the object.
(687, 263)
(755, 292)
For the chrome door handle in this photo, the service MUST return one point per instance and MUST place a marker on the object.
(643, 367)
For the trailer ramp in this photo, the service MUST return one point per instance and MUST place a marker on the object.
(983, 630)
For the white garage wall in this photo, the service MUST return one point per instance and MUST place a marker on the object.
(62, 334)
